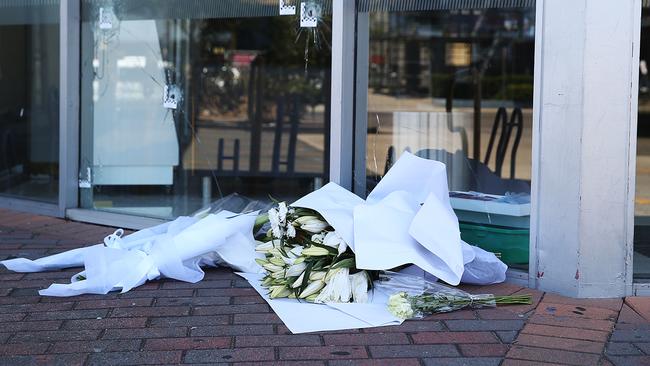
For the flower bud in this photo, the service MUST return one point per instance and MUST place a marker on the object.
(296, 270)
(272, 267)
(312, 288)
(298, 282)
(315, 251)
(277, 261)
(279, 291)
(317, 275)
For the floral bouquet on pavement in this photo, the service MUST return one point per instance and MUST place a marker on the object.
(306, 259)
(415, 297)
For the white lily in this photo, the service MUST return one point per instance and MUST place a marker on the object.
(334, 240)
(263, 247)
(312, 224)
(304, 219)
(296, 270)
(290, 261)
(312, 288)
(297, 251)
(318, 238)
(338, 288)
(359, 284)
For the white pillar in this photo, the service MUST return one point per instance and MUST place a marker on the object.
(586, 80)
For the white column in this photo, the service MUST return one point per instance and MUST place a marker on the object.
(586, 81)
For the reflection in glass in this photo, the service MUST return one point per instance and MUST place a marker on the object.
(179, 112)
(29, 100)
(642, 207)
(457, 86)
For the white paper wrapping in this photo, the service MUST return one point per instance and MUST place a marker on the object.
(485, 269)
(406, 219)
(303, 317)
(336, 205)
(75, 257)
(175, 253)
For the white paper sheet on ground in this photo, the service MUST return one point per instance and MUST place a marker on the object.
(336, 205)
(174, 255)
(303, 317)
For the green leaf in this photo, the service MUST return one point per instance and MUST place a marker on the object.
(305, 279)
(346, 263)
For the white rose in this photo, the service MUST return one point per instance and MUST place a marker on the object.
(400, 306)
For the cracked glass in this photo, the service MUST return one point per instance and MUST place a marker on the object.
(188, 102)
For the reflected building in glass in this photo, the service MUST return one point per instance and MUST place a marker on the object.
(457, 86)
(29, 100)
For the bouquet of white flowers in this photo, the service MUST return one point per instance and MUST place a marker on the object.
(306, 259)
(415, 297)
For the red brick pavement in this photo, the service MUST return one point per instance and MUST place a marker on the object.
(223, 320)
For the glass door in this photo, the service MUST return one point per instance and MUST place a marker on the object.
(188, 102)
(453, 84)
(642, 207)
(29, 100)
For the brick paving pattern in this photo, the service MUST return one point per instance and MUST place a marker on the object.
(222, 320)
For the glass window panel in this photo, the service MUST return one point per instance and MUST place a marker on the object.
(641, 266)
(456, 85)
(247, 109)
(29, 99)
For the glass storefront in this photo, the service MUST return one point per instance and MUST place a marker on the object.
(456, 85)
(642, 202)
(29, 99)
(187, 102)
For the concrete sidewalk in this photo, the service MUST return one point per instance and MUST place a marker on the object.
(223, 320)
